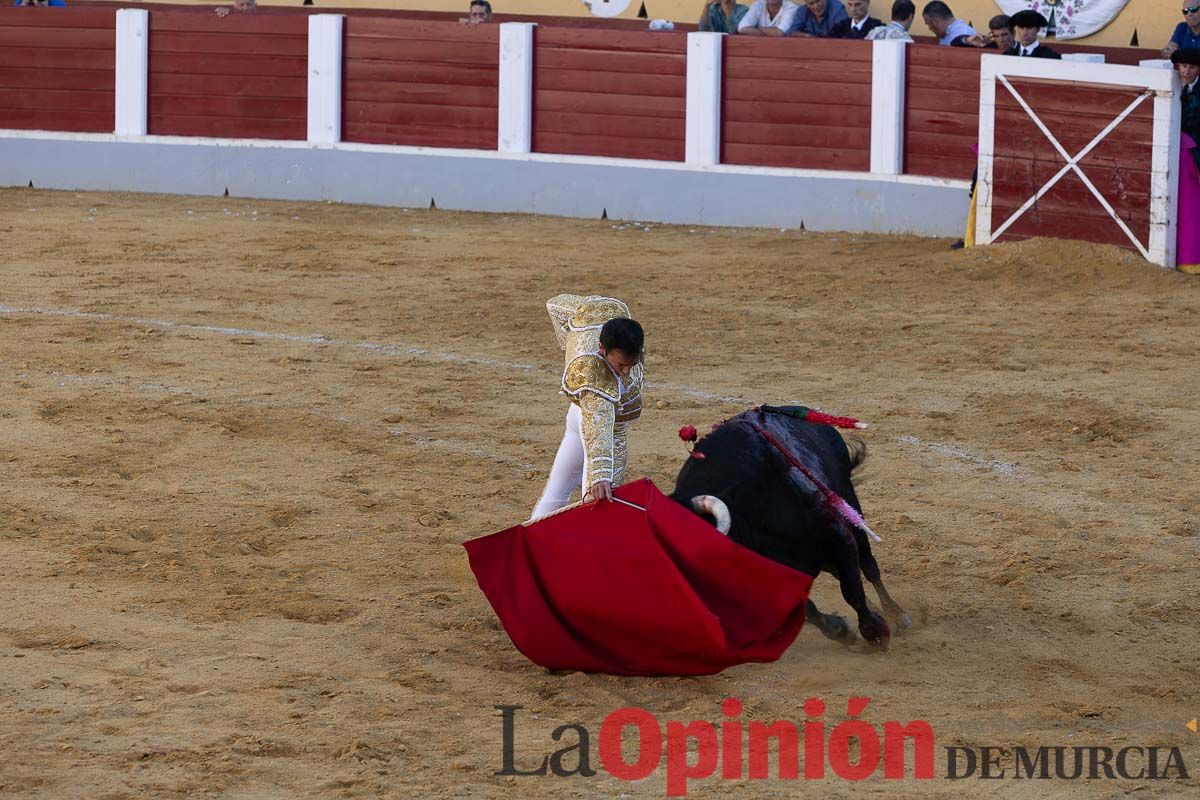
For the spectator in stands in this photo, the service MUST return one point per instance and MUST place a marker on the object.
(1000, 33)
(949, 30)
(903, 13)
(1026, 25)
(58, 3)
(240, 6)
(722, 16)
(769, 18)
(478, 12)
(818, 18)
(1187, 33)
(859, 24)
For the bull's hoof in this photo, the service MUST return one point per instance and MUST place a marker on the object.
(904, 623)
(838, 629)
(875, 631)
(879, 643)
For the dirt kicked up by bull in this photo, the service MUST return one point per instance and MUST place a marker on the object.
(777, 479)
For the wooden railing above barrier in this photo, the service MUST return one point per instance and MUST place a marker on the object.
(941, 111)
(56, 70)
(431, 84)
(790, 104)
(243, 76)
(609, 93)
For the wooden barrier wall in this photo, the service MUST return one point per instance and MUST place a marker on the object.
(941, 113)
(56, 70)
(239, 76)
(1025, 160)
(802, 103)
(431, 84)
(609, 93)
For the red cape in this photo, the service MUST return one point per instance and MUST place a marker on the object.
(610, 588)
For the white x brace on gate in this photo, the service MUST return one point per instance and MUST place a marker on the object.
(1160, 87)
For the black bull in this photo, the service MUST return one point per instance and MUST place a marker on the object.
(779, 513)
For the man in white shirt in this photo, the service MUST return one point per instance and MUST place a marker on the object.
(903, 13)
(768, 18)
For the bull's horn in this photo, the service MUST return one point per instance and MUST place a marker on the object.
(715, 507)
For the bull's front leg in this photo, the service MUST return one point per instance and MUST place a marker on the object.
(871, 625)
(834, 626)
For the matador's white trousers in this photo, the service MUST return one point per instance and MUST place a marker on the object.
(567, 472)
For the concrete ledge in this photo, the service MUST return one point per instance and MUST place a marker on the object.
(475, 180)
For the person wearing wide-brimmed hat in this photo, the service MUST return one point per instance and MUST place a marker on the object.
(1187, 240)
(1026, 25)
(1187, 62)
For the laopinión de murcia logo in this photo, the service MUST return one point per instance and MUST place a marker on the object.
(734, 748)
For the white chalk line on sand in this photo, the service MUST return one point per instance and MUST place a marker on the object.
(444, 356)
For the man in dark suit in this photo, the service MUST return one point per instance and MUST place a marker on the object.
(1187, 61)
(1026, 25)
(859, 24)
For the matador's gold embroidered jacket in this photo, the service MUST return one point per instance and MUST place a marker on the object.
(607, 402)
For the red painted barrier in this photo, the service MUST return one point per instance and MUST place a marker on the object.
(56, 69)
(941, 113)
(796, 103)
(609, 93)
(1025, 160)
(239, 76)
(431, 84)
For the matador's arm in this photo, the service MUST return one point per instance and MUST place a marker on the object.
(598, 420)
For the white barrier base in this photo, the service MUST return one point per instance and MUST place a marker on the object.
(476, 180)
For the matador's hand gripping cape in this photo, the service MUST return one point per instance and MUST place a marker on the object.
(607, 402)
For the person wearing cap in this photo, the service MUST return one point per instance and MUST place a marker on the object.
(1187, 33)
(1026, 25)
(1187, 62)
(1187, 241)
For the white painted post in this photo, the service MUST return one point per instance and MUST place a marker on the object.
(702, 143)
(1156, 63)
(325, 78)
(987, 147)
(1087, 58)
(515, 124)
(132, 71)
(887, 106)
(1164, 175)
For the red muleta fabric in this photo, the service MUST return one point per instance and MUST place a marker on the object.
(610, 588)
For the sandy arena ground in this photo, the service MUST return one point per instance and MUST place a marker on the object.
(243, 441)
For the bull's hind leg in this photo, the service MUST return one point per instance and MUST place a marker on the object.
(870, 568)
(846, 561)
(834, 626)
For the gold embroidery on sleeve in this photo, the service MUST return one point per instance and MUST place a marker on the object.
(597, 423)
